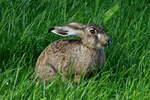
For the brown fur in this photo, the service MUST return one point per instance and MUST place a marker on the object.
(81, 55)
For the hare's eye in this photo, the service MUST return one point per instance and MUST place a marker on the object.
(92, 31)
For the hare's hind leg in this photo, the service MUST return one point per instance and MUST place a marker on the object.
(46, 72)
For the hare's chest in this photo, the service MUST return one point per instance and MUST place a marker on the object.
(84, 57)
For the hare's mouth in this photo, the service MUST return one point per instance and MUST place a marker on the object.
(99, 46)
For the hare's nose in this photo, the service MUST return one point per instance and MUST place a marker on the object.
(108, 42)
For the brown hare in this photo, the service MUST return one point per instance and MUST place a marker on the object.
(81, 54)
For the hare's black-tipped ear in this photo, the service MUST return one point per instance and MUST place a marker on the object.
(73, 28)
(59, 31)
(50, 30)
(63, 31)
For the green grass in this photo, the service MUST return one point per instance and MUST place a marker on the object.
(24, 34)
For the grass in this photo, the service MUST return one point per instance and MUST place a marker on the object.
(23, 35)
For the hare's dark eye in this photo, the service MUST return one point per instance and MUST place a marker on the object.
(92, 31)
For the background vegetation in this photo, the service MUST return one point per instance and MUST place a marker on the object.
(24, 34)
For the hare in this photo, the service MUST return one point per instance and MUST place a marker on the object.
(81, 54)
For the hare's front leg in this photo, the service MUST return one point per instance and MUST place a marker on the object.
(77, 78)
(46, 72)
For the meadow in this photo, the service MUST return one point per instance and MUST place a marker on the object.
(24, 34)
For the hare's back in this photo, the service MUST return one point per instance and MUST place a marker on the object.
(57, 50)
(62, 46)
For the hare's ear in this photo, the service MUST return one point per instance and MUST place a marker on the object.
(65, 30)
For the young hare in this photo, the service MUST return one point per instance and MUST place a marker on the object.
(82, 54)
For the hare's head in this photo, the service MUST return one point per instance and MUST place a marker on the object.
(92, 35)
